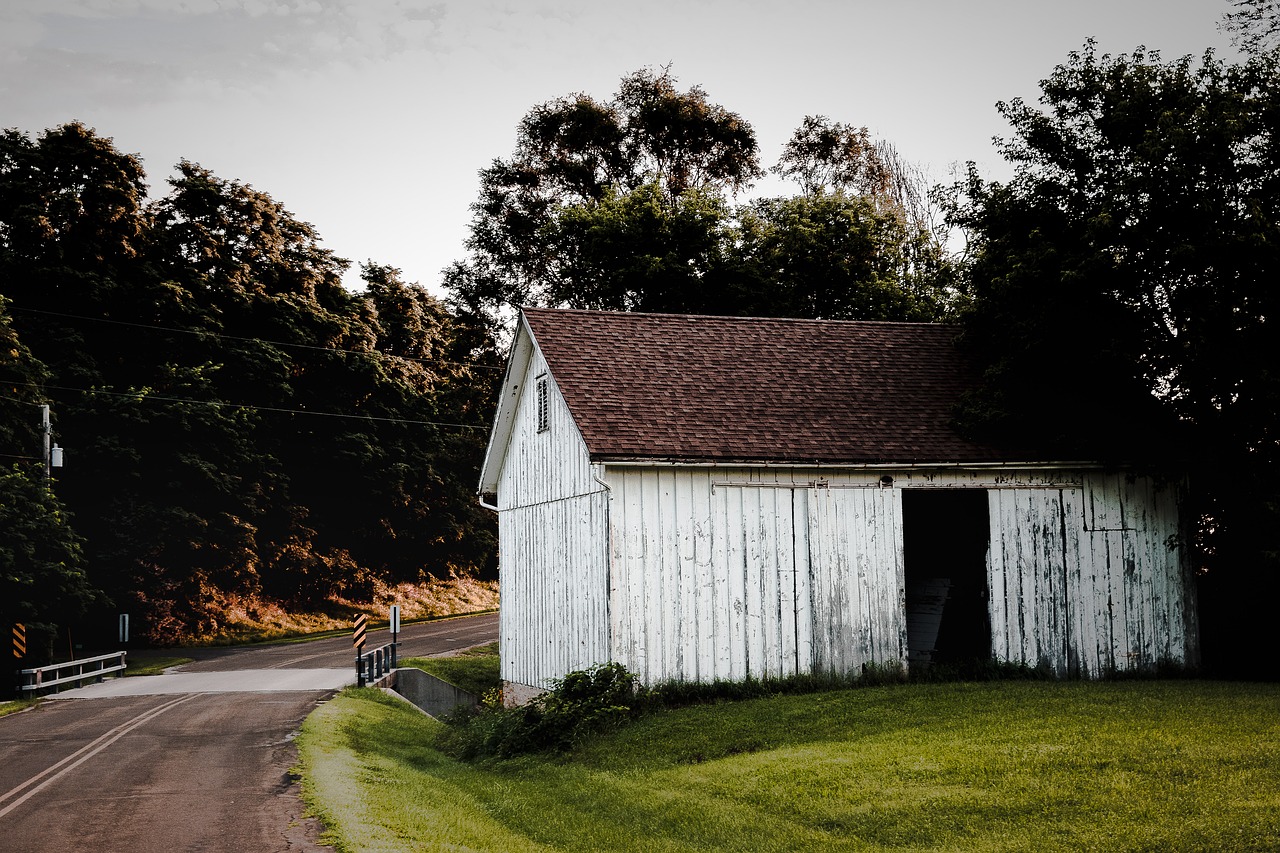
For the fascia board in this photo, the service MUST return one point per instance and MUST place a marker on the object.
(508, 403)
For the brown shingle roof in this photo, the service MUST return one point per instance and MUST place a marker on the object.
(665, 386)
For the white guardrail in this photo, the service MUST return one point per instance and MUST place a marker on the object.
(73, 671)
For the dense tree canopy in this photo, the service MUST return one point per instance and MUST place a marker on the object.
(42, 567)
(1124, 280)
(631, 204)
(238, 423)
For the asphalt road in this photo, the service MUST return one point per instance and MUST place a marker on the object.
(172, 766)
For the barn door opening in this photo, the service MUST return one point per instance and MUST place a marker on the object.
(945, 536)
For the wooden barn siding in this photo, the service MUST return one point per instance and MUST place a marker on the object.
(763, 577)
(855, 543)
(546, 466)
(554, 615)
(729, 573)
(553, 529)
(1090, 580)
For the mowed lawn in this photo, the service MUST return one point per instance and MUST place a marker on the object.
(1017, 766)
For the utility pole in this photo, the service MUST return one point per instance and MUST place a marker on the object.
(46, 432)
(52, 455)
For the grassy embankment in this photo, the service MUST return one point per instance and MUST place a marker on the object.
(1134, 765)
(254, 620)
(474, 670)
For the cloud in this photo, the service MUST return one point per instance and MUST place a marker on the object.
(135, 52)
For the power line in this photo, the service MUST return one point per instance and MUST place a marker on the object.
(141, 397)
(471, 364)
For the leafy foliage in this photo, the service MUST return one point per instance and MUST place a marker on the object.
(577, 151)
(580, 704)
(639, 251)
(627, 204)
(823, 155)
(264, 431)
(838, 257)
(1123, 283)
(42, 566)
(1254, 24)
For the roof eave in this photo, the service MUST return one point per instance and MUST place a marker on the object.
(915, 464)
(522, 346)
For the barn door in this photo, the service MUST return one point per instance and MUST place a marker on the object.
(946, 536)
(856, 567)
(1035, 575)
(765, 588)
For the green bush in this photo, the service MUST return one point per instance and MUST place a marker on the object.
(577, 706)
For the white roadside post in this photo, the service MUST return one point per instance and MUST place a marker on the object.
(395, 631)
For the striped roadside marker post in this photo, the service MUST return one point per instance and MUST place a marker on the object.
(19, 652)
(357, 640)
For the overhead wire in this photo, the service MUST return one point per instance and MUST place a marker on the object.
(141, 397)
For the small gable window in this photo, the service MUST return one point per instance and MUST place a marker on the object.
(544, 412)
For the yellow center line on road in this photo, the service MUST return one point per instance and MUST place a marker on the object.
(84, 754)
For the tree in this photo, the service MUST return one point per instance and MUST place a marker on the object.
(1123, 281)
(70, 199)
(639, 251)
(1254, 24)
(649, 144)
(833, 256)
(42, 567)
(628, 205)
(826, 156)
(43, 580)
(263, 430)
(21, 378)
(823, 156)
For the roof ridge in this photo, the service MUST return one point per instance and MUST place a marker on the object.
(734, 317)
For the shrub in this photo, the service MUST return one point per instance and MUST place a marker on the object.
(579, 705)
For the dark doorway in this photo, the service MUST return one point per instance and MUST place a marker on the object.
(945, 537)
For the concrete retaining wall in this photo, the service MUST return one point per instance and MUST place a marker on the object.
(429, 693)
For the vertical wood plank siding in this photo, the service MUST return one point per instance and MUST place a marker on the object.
(700, 573)
(554, 611)
(856, 561)
(553, 531)
(1090, 580)
(757, 578)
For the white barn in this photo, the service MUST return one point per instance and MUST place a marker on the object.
(703, 498)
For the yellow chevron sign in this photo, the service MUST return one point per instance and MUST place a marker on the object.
(19, 640)
(362, 622)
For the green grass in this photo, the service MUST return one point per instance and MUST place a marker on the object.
(16, 705)
(474, 670)
(1142, 765)
(153, 665)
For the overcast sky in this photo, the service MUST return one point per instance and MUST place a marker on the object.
(370, 118)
